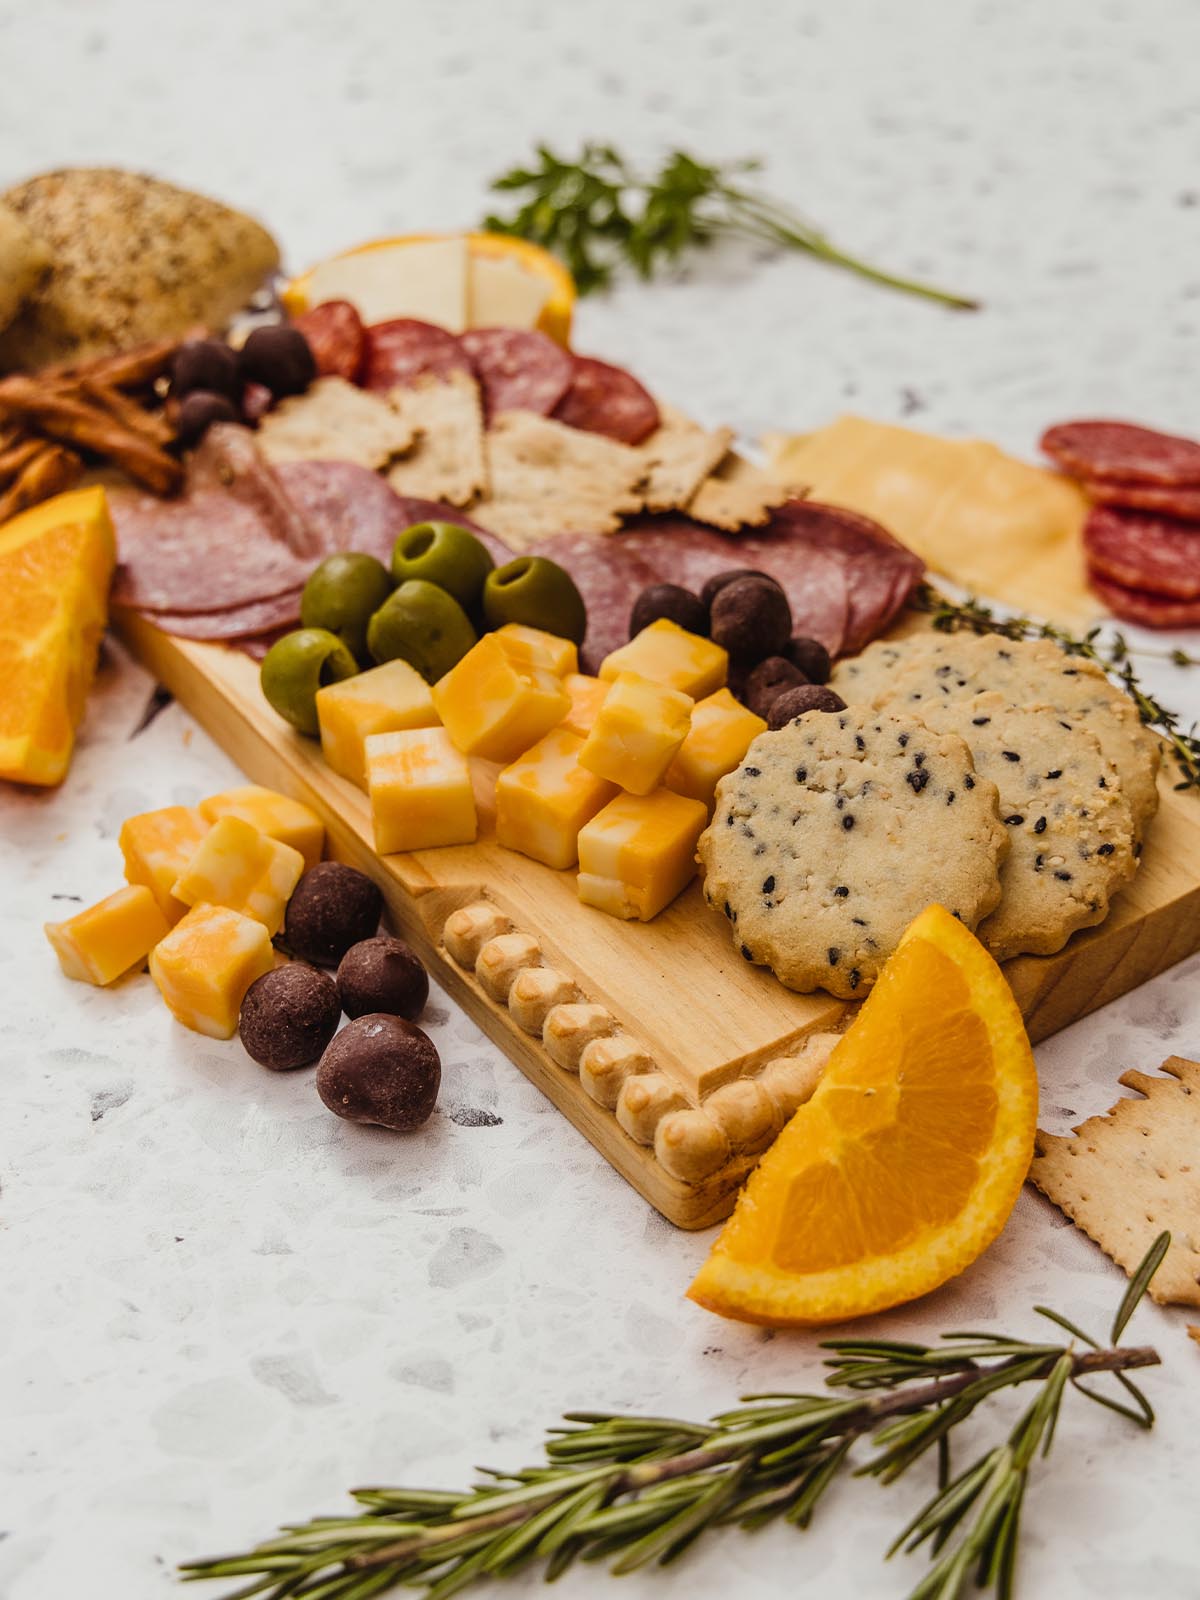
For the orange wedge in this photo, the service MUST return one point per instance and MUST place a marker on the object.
(908, 1159)
(555, 317)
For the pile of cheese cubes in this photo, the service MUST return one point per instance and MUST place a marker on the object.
(206, 891)
(615, 772)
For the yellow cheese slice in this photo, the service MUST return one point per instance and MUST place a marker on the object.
(426, 280)
(502, 294)
(1001, 528)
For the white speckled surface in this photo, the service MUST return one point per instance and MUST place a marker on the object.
(221, 1306)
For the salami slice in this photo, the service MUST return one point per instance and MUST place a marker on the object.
(608, 400)
(518, 369)
(1147, 610)
(1143, 551)
(203, 552)
(400, 352)
(257, 619)
(347, 506)
(337, 338)
(1183, 502)
(1122, 452)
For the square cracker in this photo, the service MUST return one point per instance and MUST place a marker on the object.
(546, 479)
(447, 419)
(736, 495)
(678, 456)
(334, 421)
(1133, 1171)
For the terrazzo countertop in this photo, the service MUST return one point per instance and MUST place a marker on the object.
(221, 1306)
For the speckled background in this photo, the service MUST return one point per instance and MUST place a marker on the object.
(221, 1306)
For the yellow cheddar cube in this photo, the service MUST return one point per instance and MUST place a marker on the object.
(237, 867)
(666, 653)
(534, 647)
(99, 944)
(587, 696)
(636, 733)
(722, 731)
(205, 965)
(638, 853)
(495, 707)
(386, 699)
(157, 845)
(277, 815)
(545, 797)
(420, 789)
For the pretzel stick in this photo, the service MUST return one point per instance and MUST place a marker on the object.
(49, 472)
(75, 423)
(150, 425)
(16, 457)
(127, 369)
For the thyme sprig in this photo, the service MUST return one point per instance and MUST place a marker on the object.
(1110, 650)
(596, 213)
(637, 1490)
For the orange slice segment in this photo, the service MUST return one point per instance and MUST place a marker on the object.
(907, 1161)
(555, 317)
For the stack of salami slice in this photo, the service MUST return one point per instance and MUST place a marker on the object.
(1142, 537)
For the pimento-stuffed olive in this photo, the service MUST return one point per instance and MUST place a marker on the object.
(299, 664)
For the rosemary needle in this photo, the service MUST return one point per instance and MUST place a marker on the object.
(634, 1491)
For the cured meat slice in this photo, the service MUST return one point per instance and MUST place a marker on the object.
(347, 506)
(337, 338)
(606, 399)
(256, 619)
(518, 369)
(1123, 452)
(204, 552)
(1143, 551)
(1148, 610)
(229, 461)
(1183, 502)
(401, 351)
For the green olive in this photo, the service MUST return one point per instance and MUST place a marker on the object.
(445, 554)
(299, 664)
(537, 592)
(424, 626)
(342, 594)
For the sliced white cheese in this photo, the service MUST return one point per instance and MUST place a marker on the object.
(502, 294)
(427, 280)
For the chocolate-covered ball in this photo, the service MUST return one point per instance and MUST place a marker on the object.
(718, 581)
(205, 364)
(278, 358)
(767, 681)
(197, 413)
(289, 1016)
(381, 1069)
(812, 658)
(333, 907)
(793, 703)
(382, 974)
(668, 600)
(751, 619)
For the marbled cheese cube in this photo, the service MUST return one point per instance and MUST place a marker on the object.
(157, 845)
(386, 699)
(666, 653)
(236, 866)
(545, 797)
(587, 696)
(205, 965)
(721, 732)
(534, 647)
(638, 853)
(99, 944)
(420, 789)
(493, 706)
(277, 815)
(636, 733)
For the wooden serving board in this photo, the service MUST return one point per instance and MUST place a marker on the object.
(679, 1036)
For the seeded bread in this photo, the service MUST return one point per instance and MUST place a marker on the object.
(24, 262)
(836, 831)
(132, 259)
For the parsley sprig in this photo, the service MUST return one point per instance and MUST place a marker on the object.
(597, 213)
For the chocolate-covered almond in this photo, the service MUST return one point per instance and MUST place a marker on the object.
(751, 619)
(812, 658)
(767, 681)
(382, 974)
(793, 703)
(668, 600)
(333, 907)
(288, 1016)
(383, 1070)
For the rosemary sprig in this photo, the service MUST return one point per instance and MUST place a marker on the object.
(596, 212)
(1111, 651)
(636, 1490)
